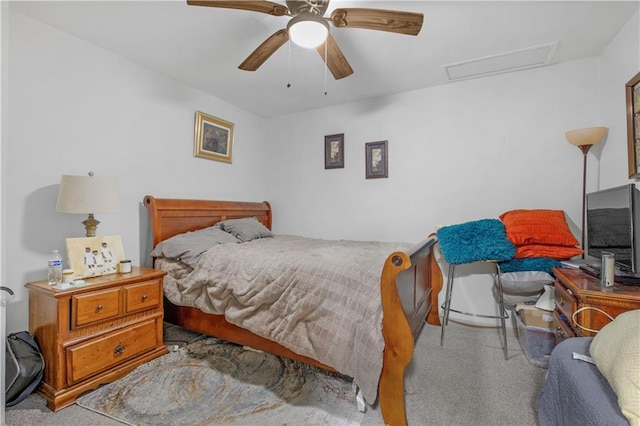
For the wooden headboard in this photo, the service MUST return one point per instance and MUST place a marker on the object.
(172, 216)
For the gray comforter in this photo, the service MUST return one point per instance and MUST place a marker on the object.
(318, 298)
(574, 392)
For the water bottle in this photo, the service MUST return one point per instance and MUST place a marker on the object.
(55, 268)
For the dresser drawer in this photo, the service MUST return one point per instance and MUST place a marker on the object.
(141, 296)
(561, 329)
(96, 306)
(565, 301)
(99, 354)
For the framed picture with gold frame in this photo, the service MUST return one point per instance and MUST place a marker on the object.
(633, 125)
(94, 256)
(213, 138)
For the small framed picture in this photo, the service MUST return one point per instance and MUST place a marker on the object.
(214, 138)
(334, 151)
(94, 256)
(376, 157)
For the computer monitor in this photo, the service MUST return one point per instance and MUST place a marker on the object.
(613, 225)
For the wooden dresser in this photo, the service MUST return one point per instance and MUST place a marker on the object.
(97, 332)
(575, 289)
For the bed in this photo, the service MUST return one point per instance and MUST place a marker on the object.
(409, 283)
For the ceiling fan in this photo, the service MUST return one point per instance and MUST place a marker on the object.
(309, 28)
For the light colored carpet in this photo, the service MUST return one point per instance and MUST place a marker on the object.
(466, 382)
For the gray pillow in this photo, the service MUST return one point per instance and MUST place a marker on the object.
(188, 247)
(246, 229)
(525, 282)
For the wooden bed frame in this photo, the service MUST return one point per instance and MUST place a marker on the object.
(409, 286)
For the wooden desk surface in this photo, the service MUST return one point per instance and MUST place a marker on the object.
(588, 285)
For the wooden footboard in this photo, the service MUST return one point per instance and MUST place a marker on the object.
(409, 287)
(410, 283)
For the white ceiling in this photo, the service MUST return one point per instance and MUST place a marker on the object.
(203, 46)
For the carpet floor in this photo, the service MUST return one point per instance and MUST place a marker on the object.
(465, 382)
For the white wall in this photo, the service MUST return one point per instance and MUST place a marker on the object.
(458, 152)
(72, 108)
(4, 20)
(620, 61)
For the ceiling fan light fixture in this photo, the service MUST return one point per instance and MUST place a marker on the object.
(308, 30)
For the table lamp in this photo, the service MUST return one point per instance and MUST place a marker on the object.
(88, 195)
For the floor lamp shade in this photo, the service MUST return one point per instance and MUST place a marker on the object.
(88, 195)
(586, 137)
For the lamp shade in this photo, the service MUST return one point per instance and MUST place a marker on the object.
(87, 195)
(588, 136)
(308, 30)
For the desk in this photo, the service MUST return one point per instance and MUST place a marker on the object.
(575, 289)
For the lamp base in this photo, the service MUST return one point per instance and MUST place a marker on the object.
(91, 224)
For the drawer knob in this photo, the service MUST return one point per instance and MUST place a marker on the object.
(119, 350)
(144, 297)
(99, 308)
(561, 300)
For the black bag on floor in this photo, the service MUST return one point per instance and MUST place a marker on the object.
(24, 367)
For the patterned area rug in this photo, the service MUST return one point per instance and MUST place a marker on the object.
(214, 382)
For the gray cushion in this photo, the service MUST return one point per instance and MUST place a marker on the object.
(525, 282)
(245, 229)
(188, 247)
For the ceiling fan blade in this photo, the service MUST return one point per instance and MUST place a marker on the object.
(408, 23)
(336, 62)
(261, 6)
(265, 50)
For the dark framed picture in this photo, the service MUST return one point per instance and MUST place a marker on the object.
(214, 138)
(334, 151)
(633, 125)
(377, 160)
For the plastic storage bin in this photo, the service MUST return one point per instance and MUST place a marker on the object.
(535, 334)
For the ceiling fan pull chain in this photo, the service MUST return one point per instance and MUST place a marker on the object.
(325, 67)
(289, 46)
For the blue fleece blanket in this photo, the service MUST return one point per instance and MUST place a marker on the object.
(484, 239)
(529, 264)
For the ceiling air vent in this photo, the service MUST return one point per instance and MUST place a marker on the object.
(516, 60)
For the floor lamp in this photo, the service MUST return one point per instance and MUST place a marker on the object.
(585, 139)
